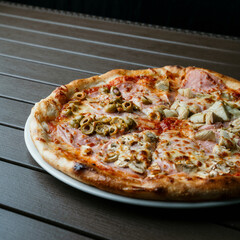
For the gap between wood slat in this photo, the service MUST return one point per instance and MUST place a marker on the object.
(110, 32)
(17, 99)
(98, 57)
(50, 222)
(49, 64)
(29, 79)
(118, 60)
(92, 41)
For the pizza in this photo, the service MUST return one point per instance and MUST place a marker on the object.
(169, 133)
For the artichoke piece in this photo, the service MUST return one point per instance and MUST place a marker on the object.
(115, 91)
(127, 106)
(87, 128)
(235, 113)
(138, 167)
(145, 100)
(80, 95)
(220, 110)
(205, 135)
(183, 112)
(186, 92)
(101, 129)
(110, 108)
(225, 140)
(194, 108)
(175, 105)
(211, 118)
(163, 85)
(198, 118)
(170, 113)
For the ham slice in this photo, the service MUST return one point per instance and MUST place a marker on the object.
(201, 81)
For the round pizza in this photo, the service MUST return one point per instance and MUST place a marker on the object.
(169, 133)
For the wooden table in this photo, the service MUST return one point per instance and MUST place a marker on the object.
(41, 49)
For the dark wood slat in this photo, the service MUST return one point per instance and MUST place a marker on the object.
(14, 113)
(128, 45)
(24, 90)
(13, 148)
(63, 59)
(79, 61)
(34, 71)
(54, 201)
(15, 226)
(122, 28)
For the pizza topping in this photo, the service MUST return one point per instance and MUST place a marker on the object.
(186, 92)
(183, 112)
(219, 109)
(201, 81)
(211, 118)
(131, 151)
(145, 100)
(142, 125)
(170, 113)
(205, 135)
(198, 118)
(79, 95)
(163, 85)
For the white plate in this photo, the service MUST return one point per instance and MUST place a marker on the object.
(97, 192)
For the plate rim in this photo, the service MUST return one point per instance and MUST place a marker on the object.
(107, 195)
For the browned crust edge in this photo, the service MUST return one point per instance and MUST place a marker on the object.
(170, 188)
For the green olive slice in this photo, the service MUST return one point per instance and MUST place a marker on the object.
(127, 106)
(104, 90)
(110, 108)
(113, 130)
(87, 128)
(86, 119)
(101, 129)
(130, 122)
(80, 95)
(114, 90)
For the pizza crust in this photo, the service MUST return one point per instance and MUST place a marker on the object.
(177, 187)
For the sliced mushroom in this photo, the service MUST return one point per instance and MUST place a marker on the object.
(220, 110)
(183, 112)
(211, 118)
(198, 118)
(221, 151)
(138, 167)
(163, 85)
(122, 162)
(186, 92)
(205, 135)
(170, 113)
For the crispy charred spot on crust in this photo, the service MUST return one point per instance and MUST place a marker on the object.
(78, 167)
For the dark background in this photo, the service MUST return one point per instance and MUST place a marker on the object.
(212, 16)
